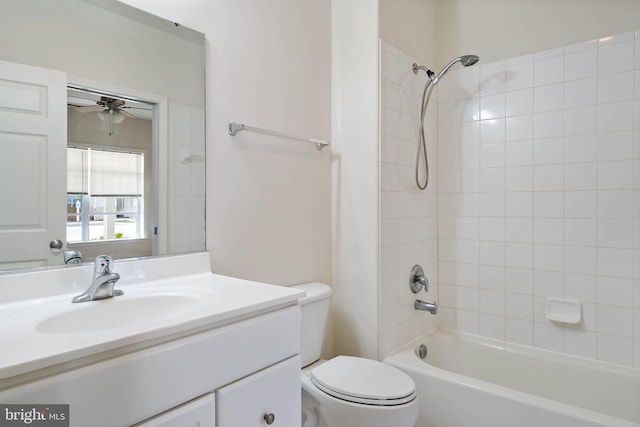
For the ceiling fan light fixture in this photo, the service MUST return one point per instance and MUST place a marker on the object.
(118, 117)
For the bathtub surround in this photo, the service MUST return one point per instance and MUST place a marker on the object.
(539, 196)
(408, 216)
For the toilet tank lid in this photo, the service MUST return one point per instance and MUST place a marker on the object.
(314, 291)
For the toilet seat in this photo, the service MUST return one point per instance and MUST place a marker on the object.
(363, 381)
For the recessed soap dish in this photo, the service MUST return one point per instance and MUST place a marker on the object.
(564, 311)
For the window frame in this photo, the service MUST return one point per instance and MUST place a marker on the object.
(142, 232)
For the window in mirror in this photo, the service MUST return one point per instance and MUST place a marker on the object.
(105, 195)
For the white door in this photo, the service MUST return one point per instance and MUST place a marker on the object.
(33, 176)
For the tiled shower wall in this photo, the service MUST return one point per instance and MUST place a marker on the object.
(408, 217)
(539, 196)
(186, 179)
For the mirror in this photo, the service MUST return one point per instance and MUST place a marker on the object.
(124, 56)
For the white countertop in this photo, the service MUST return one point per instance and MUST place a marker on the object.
(40, 333)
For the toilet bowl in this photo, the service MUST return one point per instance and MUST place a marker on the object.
(347, 391)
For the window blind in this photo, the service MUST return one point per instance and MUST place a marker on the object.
(77, 171)
(104, 173)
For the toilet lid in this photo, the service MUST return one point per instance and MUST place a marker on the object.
(364, 381)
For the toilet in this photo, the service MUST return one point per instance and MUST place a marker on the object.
(347, 391)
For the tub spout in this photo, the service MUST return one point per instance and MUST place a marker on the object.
(431, 307)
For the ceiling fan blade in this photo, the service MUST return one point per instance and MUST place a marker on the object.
(125, 113)
(136, 108)
(89, 108)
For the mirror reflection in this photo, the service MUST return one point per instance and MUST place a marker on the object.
(109, 173)
(121, 169)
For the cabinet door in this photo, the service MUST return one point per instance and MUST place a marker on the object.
(269, 397)
(197, 413)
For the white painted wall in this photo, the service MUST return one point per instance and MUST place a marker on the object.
(411, 25)
(499, 29)
(355, 176)
(268, 199)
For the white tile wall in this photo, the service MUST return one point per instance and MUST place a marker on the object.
(408, 217)
(186, 180)
(539, 195)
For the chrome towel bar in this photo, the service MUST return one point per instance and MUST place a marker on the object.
(237, 127)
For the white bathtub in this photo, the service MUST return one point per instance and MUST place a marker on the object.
(473, 381)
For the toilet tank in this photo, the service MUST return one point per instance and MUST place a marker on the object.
(314, 308)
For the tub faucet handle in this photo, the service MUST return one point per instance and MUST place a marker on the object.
(417, 280)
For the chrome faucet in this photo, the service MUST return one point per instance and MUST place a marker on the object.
(431, 307)
(71, 256)
(417, 281)
(103, 281)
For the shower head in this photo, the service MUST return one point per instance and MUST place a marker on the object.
(432, 81)
(469, 60)
(465, 60)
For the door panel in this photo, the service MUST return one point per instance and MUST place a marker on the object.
(33, 141)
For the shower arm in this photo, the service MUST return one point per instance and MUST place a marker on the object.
(430, 73)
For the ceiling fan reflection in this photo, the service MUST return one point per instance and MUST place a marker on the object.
(111, 109)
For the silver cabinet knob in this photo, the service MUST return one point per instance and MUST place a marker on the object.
(269, 418)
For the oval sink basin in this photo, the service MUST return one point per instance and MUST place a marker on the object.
(118, 312)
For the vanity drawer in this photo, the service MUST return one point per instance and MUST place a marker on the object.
(269, 397)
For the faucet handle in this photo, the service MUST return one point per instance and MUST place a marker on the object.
(103, 264)
(418, 280)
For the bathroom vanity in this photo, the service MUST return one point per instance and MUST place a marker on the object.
(181, 347)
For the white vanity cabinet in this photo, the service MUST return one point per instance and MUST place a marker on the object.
(269, 397)
(183, 347)
(252, 366)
